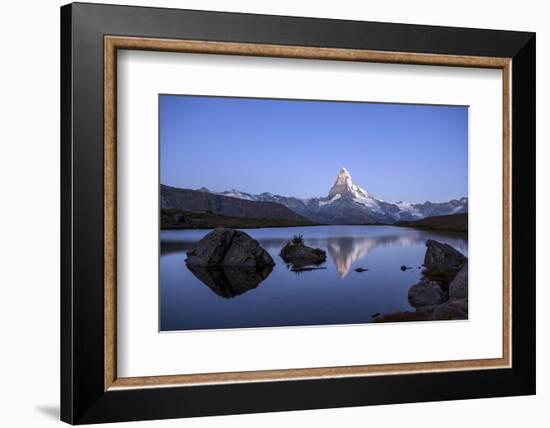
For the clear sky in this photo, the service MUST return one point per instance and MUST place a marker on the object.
(296, 148)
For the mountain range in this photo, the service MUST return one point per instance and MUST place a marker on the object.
(346, 203)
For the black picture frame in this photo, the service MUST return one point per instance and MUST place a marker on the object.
(83, 397)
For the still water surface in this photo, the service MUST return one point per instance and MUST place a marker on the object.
(336, 294)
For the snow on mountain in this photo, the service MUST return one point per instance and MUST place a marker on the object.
(407, 207)
(239, 195)
(334, 198)
(232, 194)
(347, 203)
(345, 186)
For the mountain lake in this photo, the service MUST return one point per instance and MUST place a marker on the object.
(329, 294)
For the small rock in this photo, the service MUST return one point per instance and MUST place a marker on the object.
(425, 293)
(377, 314)
(404, 268)
(300, 255)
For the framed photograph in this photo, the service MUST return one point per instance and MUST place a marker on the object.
(265, 213)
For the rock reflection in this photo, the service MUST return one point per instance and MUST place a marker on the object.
(229, 282)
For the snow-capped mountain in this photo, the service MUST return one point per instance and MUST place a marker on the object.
(347, 203)
(345, 186)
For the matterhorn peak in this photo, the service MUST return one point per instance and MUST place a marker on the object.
(344, 186)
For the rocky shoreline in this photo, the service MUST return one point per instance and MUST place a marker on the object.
(442, 293)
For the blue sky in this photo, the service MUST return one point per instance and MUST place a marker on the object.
(296, 148)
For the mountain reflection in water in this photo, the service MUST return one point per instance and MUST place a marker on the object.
(238, 297)
(344, 251)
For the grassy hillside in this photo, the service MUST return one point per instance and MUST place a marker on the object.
(453, 223)
(179, 219)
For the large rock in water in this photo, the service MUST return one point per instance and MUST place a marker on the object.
(425, 293)
(458, 289)
(442, 262)
(228, 247)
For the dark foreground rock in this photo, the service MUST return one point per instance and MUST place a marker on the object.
(300, 255)
(228, 247)
(229, 281)
(442, 293)
(442, 262)
(451, 310)
(458, 289)
(425, 293)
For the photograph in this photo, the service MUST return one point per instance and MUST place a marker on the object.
(284, 212)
